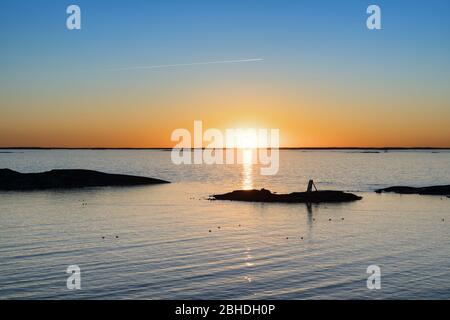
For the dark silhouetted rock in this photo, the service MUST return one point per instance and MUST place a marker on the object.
(264, 195)
(433, 190)
(63, 179)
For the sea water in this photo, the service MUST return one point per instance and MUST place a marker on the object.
(171, 242)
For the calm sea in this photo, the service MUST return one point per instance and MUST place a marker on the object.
(157, 242)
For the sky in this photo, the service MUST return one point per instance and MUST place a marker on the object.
(314, 71)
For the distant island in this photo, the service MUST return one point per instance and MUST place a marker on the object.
(432, 190)
(264, 195)
(64, 179)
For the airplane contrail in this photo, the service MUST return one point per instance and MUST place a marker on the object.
(187, 64)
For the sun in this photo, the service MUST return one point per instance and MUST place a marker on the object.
(247, 139)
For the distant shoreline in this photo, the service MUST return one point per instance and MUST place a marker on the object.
(281, 148)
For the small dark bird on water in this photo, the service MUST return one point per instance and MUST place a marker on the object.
(209, 230)
(117, 237)
(329, 219)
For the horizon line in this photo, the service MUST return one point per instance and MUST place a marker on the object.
(204, 148)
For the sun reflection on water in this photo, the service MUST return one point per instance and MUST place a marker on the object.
(247, 169)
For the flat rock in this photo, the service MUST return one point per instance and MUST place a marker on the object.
(64, 179)
(432, 190)
(264, 195)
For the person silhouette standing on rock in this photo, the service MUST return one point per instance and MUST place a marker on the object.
(310, 186)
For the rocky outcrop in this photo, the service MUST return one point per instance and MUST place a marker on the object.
(432, 190)
(64, 179)
(264, 195)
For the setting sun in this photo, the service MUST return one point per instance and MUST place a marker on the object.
(251, 138)
(247, 139)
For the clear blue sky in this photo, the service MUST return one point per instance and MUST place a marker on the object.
(317, 47)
